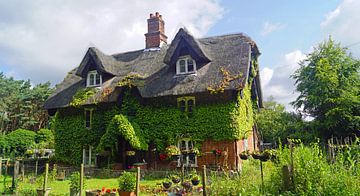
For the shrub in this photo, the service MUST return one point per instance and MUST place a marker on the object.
(20, 140)
(75, 181)
(45, 136)
(127, 182)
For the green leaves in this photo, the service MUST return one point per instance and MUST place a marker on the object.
(329, 84)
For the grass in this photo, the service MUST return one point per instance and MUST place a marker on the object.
(59, 188)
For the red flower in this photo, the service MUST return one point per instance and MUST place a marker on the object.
(108, 190)
(162, 157)
(114, 189)
(103, 189)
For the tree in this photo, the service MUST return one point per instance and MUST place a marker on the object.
(329, 86)
(275, 123)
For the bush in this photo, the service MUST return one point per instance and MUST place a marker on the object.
(75, 181)
(45, 137)
(20, 140)
(127, 182)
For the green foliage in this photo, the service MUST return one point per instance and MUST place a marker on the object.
(21, 104)
(275, 123)
(127, 181)
(46, 138)
(75, 181)
(20, 140)
(71, 136)
(82, 96)
(329, 84)
(121, 126)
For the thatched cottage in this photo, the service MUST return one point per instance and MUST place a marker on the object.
(193, 93)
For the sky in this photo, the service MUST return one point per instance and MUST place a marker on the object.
(42, 40)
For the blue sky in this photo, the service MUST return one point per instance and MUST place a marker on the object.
(43, 40)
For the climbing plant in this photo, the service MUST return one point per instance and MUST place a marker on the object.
(83, 95)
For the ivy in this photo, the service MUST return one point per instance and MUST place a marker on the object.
(121, 126)
(83, 95)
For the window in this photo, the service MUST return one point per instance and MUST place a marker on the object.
(89, 159)
(185, 65)
(88, 117)
(186, 145)
(93, 79)
(186, 104)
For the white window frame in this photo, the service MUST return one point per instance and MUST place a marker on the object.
(88, 158)
(186, 164)
(90, 74)
(90, 110)
(186, 59)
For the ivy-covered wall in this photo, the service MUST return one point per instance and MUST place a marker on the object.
(161, 125)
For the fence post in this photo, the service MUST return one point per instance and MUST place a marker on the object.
(23, 170)
(81, 179)
(0, 166)
(36, 167)
(204, 179)
(138, 181)
(46, 177)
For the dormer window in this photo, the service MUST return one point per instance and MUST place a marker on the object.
(185, 65)
(93, 79)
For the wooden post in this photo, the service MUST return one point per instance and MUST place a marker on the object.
(46, 177)
(292, 165)
(204, 180)
(182, 173)
(15, 175)
(36, 167)
(262, 177)
(81, 179)
(0, 166)
(6, 166)
(138, 181)
(23, 170)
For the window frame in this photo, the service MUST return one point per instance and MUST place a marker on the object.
(186, 100)
(93, 74)
(185, 59)
(90, 110)
(187, 164)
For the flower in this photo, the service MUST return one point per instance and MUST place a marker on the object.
(217, 152)
(162, 157)
(108, 190)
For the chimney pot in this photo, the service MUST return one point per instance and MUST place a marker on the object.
(156, 31)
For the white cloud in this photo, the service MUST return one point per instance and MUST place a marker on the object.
(269, 27)
(276, 82)
(43, 40)
(343, 24)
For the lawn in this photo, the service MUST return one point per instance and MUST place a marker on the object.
(62, 187)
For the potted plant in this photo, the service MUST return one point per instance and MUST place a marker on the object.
(193, 152)
(187, 185)
(130, 153)
(75, 184)
(265, 155)
(166, 183)
(255, 155)
(244, 155)
(195, 179)
(40, 191)
(175, 179)
(107, 192)
(173, 151)
(127, 184)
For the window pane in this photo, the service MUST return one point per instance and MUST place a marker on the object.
(190, 105)
(92, 78)
(87, 118)
(190, 65)
(182, 106)
(182, 66)
(97, 79)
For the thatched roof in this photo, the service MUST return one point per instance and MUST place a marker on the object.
(157, 69)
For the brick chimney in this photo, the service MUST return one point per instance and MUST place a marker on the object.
(156, 31)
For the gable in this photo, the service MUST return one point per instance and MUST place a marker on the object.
(185, 44)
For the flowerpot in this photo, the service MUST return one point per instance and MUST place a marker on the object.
(244, 157)
(126, 193)
(264, 157)
(40, 192)
(187, 186)
(166, 185)
(175, 180)
(256, 156)
(74, 192)
(92, 192)
(195, 182)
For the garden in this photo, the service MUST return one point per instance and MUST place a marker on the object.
(292, 169)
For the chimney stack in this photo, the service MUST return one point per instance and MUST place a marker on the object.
(156, 31)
